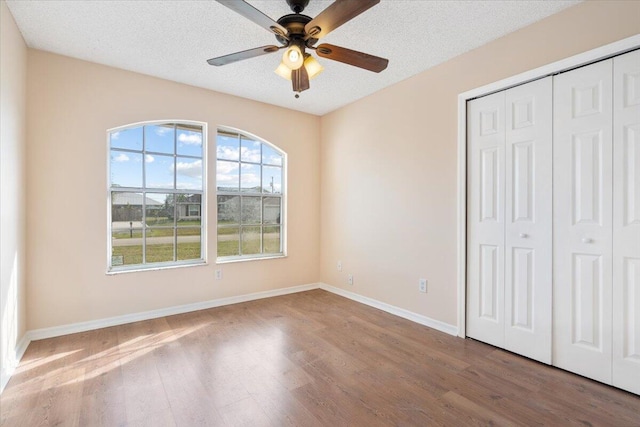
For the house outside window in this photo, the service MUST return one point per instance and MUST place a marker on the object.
(156, 195)
(250, 182)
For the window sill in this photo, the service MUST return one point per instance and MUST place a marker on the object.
(155, 267)
(230, 260)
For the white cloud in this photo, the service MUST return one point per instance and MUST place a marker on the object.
(221, 177)
(273, 160)
(190, 138)
(121, 158)
(226, 167)
(149, 158)
(250, 155)
(225, 152)
(162, 131)
(191, 169)
(115, 135)
(250, 179)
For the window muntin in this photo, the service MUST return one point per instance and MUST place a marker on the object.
(156, 195)
(249, 181)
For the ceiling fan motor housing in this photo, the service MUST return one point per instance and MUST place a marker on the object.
(294, 23)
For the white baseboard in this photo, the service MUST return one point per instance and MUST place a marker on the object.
(56, 331)
(21, 347)
(397, 311)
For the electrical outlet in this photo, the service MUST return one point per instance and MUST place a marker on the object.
(422, 285)
(218, 274)
(350, 279)
(339, 266)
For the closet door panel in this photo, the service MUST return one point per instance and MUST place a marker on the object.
(626, 222)
(582, 221)
(528, 214)
(485, 219)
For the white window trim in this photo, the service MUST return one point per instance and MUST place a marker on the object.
(111, 270)
(284, 223)
(588, 57)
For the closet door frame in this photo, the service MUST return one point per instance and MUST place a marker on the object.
(604, 52)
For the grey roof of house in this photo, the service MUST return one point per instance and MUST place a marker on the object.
(119, 199)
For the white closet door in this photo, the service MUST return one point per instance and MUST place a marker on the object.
(528, 216)
(485, 218)
(626, 222)
(582, 221)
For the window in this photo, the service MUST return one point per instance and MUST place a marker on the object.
(156, 195)
(250, 184)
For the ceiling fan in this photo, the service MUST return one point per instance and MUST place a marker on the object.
(298, 33)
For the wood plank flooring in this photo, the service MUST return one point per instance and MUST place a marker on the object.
(307, 359)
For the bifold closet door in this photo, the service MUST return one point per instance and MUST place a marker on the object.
(528, 238)
(582, 220)
(626, 221)
(485, 218)
(509, 219)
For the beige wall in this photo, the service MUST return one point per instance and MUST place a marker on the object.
(70, 106)
(388, 162)
(13, 68)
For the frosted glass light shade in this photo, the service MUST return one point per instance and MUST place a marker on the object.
(283, 71)
(313, 66)
(293, 58)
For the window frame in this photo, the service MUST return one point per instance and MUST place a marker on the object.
(283, 224)
(115, 269)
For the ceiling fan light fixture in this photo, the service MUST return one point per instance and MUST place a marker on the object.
(283, 71)
(313, 66)
(293, 57)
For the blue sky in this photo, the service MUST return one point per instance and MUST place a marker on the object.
(126, 167)
(229, 173)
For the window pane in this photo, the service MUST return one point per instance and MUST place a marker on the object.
(190, 142)
(228, 241)
(228, 210)
(272, 179)
(159, 138)
(271, 210)
(189, 209)
(130, 139)
(250, 178)
(126, 210)
(270, 156)
(251, 210)
(189, 246)
(228, 147)
(227, 176)
(250, 240)
(160, 244)
(271, 240)
(250, 150)
(159, 171)
(189, 174)
(125, 169)
(126, 250)
(160, 209)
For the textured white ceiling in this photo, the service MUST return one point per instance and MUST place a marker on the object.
(173, 40)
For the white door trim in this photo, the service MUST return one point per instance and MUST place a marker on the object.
(575, 61)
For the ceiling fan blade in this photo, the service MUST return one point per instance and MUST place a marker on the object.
(352, 57)
(335, 15)
(300, 79)
(253, 14)
(239, 56)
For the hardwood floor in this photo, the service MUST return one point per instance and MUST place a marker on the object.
(307, 359)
